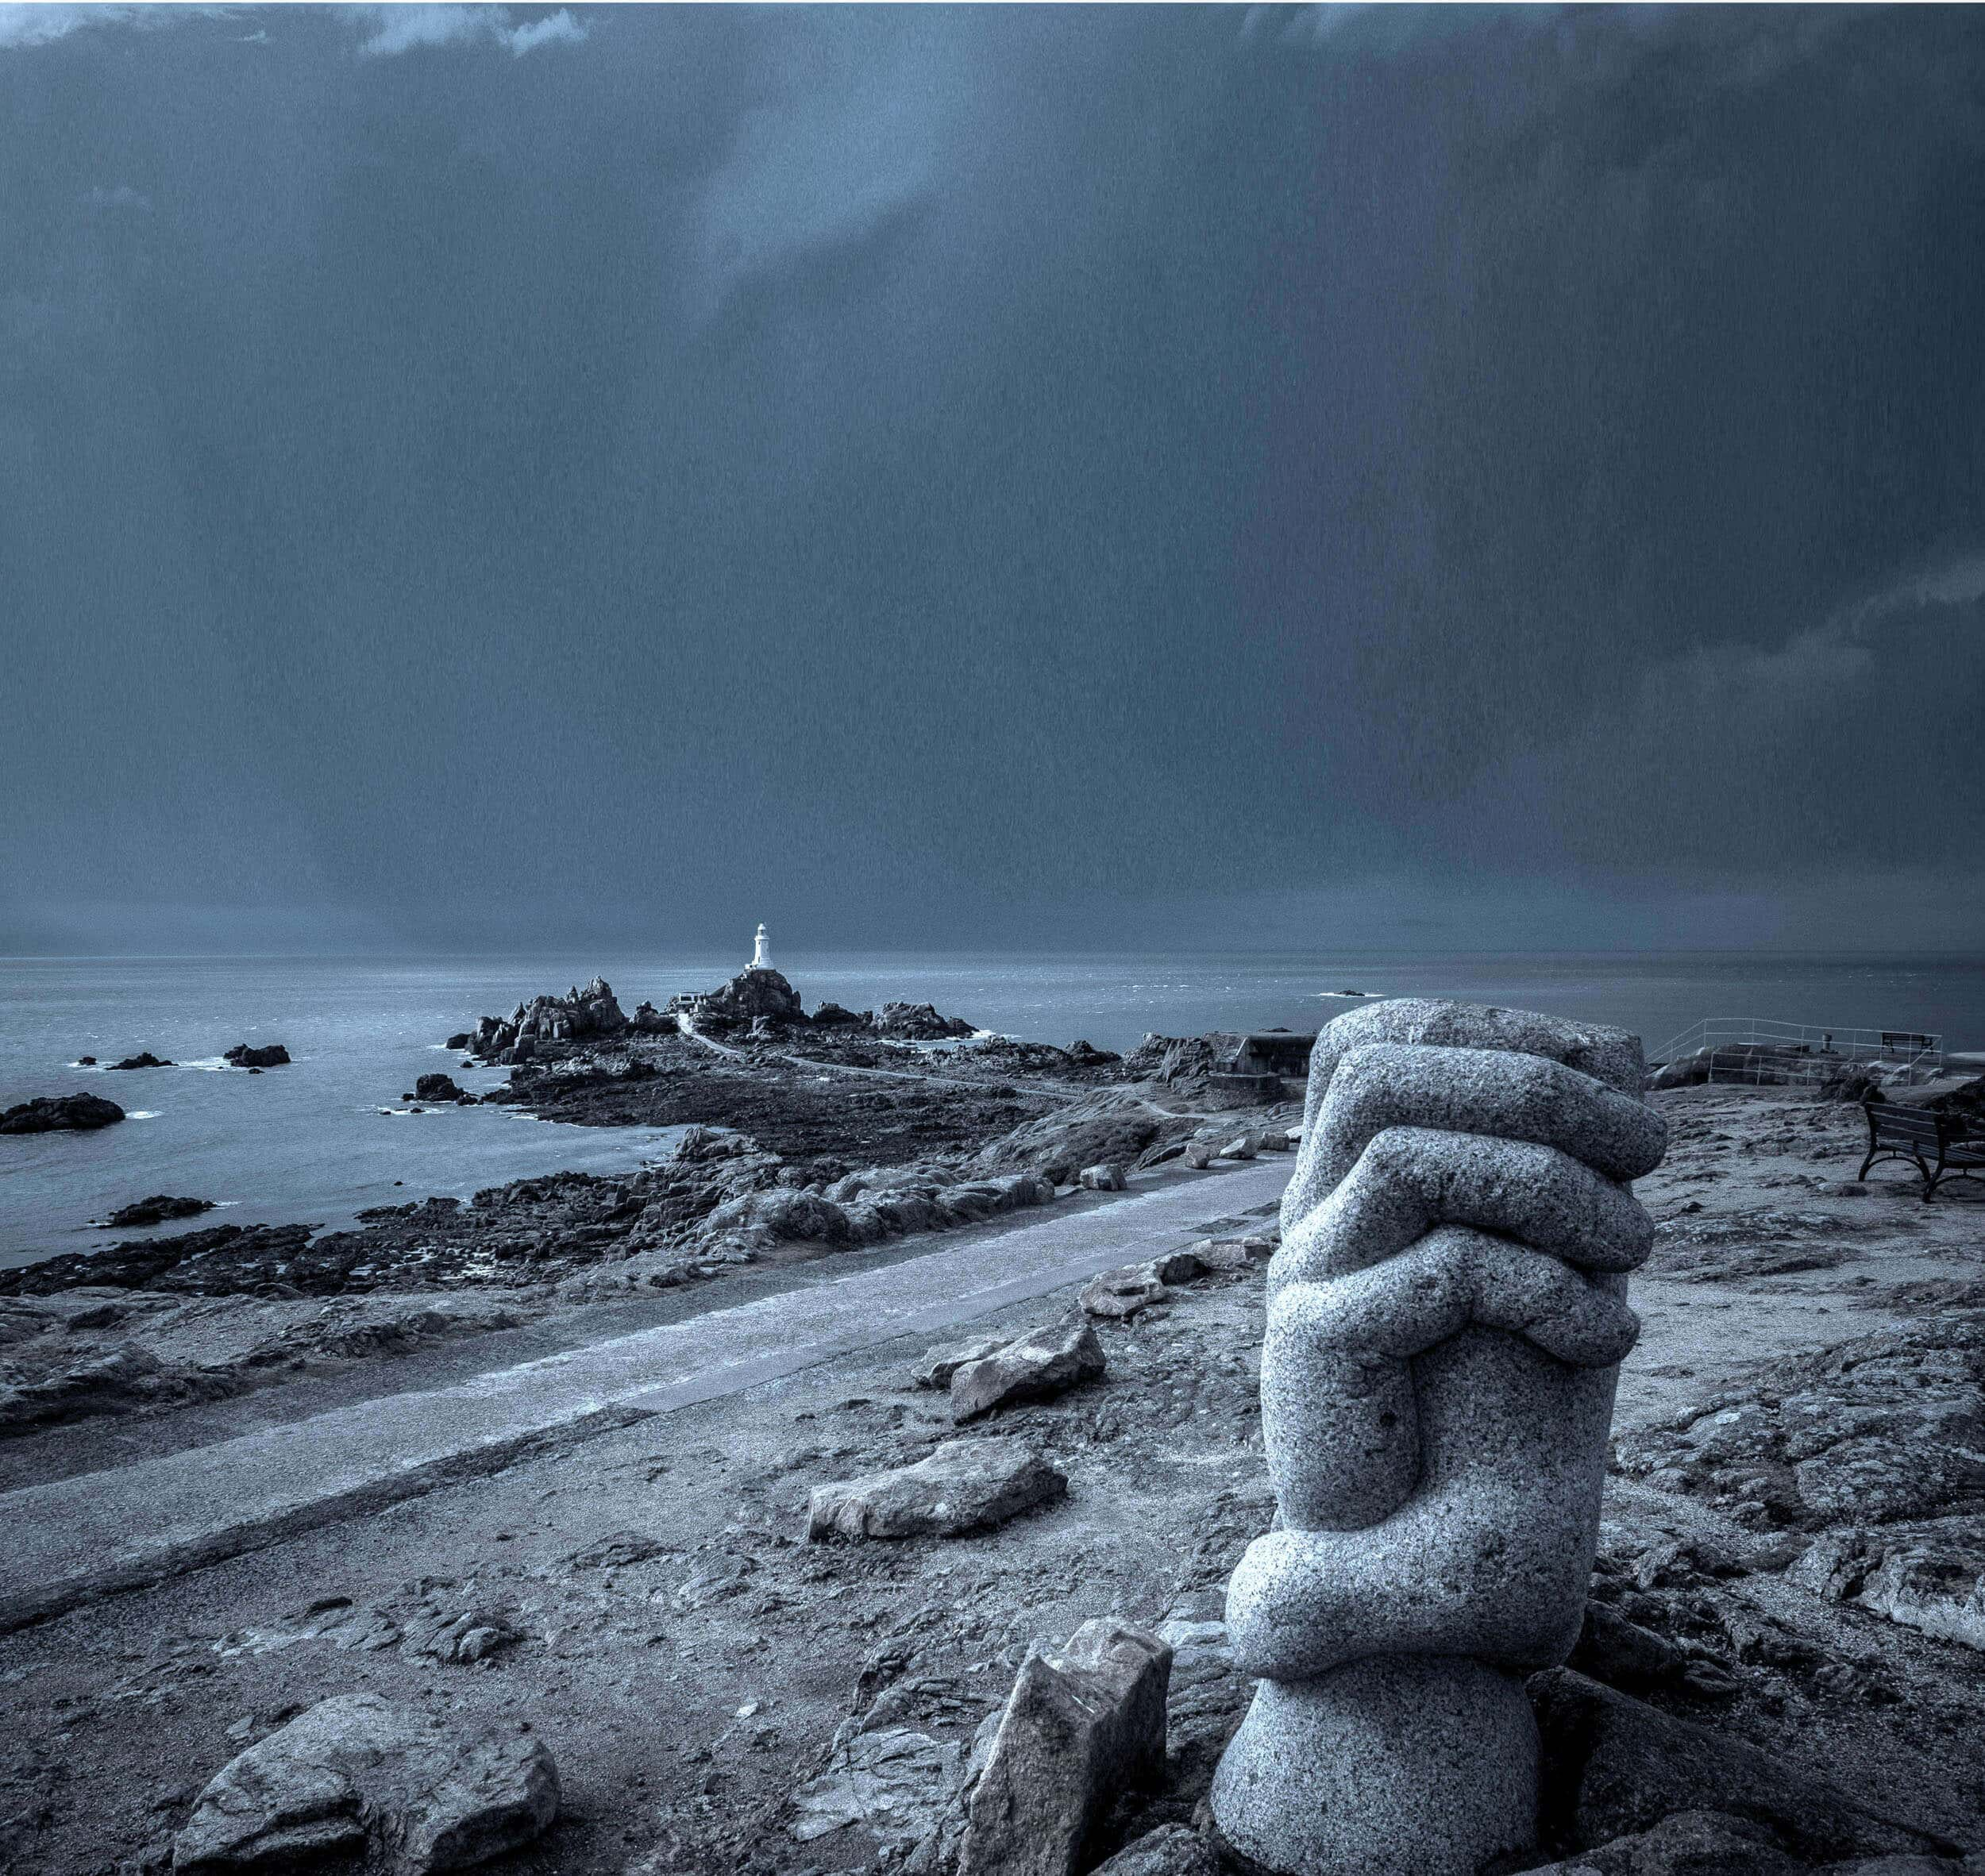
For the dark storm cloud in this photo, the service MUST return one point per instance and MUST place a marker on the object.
(921, 472)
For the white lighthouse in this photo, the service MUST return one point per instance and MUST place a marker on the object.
(761, 952)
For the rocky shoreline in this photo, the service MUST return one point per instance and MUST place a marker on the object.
(804, 1136)
(783, 1631)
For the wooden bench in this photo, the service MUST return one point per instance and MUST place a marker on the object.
(1940, 1145)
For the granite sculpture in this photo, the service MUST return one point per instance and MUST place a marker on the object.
(1447, 1316)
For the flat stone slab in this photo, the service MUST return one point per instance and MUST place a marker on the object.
(75, 1539)
(965, 1485)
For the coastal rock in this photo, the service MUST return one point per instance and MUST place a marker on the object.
(1624, 1654)
(750, 994)
(1057, 1146)
(1933, 1581)
(1228, 1254)
(126, 1379)
(579, 1014)
(1103, 1178)
(1613, 1766)
(1083, 1725)
(356, 1773)
(1177, 1059)
(964, 1484)
(438, 1089)
(245, 1055)
(1040, 1365)
(1884, 1429)
(1084, 1055)
(917, 1023)
(220, 1261)
(833, 1016)
(147, 1059)
(1117, 1294)
(48, 1113)
(939, 1365)
(155, 1210)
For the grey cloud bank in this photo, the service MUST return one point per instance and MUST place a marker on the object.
(940, 472)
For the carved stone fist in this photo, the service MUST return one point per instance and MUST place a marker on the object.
(1447, 1316)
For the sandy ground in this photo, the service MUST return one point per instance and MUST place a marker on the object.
(689, 1658)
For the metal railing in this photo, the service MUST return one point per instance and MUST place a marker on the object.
(1753, 1050)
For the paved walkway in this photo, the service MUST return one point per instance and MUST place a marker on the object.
(79, 1539)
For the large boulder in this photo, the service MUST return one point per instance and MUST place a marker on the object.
(48, 1113)
(1040, 1365)
(356, 1774)
(146, 1060)
(965, 1485)
(1083, 1724)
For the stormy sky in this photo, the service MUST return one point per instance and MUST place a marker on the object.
(1020, 476)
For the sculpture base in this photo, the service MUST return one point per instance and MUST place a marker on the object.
(1413, 1766)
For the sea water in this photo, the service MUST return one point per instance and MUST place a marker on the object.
(330, 1135)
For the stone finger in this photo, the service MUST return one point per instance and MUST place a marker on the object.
(1470, 1091)
(1496, 1571)
(1410, 1179)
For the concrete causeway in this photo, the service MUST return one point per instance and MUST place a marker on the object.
(78, 1538)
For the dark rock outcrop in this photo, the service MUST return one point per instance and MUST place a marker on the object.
(748, 996)
(127, 1379)
(247, 1055)
(1085, 1055)
(917, 1023)
(146, 1060)
(574, 1017)
(57, 1113)
(224, 1261)
(833, 1016)
(155, 1210)
(437, 1089)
